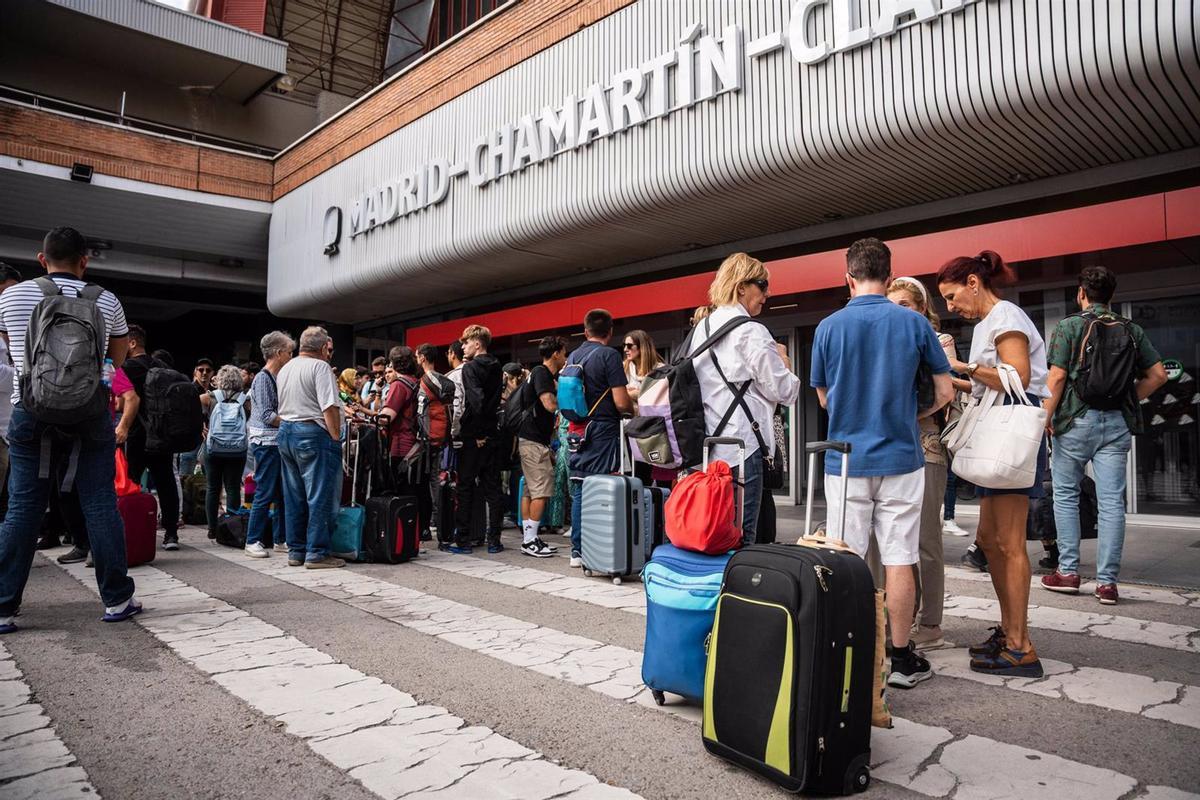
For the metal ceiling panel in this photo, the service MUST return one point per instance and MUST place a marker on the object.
(995, 93)
(190, 30)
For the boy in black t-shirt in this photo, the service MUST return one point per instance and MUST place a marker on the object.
(538, 406)
(604, 382)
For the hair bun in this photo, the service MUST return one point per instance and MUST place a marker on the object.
(995, 269)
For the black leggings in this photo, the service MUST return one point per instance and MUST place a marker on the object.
(223, 471)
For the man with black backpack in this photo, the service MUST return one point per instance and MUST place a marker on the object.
(1101, 366)
(168, 421)
(56, 326)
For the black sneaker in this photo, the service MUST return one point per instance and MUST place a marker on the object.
(547, 545)
(1050, 560)
(426, 535)
(73, 556)
(908, 669)
(974, 559)
(494, 546)
(171, 541)
(47, 543)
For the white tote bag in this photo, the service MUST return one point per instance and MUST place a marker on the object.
(995, 445)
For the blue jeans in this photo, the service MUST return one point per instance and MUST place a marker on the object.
(188, 461)
(1103, 438)
(312, 479)
(751, 478)
(268, 489)
(27, 504)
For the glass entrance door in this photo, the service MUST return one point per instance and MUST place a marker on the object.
(1165, 459)
(787, 495)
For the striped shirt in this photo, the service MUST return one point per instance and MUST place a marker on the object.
(264, 407)
(17, 304)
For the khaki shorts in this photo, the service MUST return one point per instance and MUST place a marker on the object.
(538, 468)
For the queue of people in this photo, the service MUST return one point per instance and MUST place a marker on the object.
(891, 383)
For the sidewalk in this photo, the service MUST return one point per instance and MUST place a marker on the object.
(1153, 555)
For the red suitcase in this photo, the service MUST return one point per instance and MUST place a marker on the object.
(139, 513)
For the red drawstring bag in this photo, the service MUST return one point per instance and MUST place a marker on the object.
(700, 512)
(122, 482)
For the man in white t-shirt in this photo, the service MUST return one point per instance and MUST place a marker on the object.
(310, 448)
(64, 256)
(9, 276)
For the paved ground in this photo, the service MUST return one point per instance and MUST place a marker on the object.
(505, 676)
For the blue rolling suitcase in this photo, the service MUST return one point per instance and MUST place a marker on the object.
(611, 522)
(681, 601)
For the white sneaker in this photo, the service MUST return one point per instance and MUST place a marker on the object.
(576, 562)
(950, 528)
(566, 532)
(281, 547)
(537, 549)
(257, 550)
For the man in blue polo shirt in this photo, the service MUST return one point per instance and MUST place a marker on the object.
(864, 364)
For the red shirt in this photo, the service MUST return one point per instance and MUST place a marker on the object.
(402, 398)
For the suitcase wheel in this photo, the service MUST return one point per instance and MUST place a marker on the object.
(659, 697)
(617, 580)
(858, 778)
(588, 573)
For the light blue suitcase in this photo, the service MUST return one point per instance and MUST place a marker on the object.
(612, 517)
(681, 602)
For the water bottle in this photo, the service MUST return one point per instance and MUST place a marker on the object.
(107, 372)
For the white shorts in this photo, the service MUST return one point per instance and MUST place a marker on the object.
(890, 505)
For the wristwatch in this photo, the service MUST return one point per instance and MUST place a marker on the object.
(974, 365)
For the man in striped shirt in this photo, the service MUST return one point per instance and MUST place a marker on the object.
(64, 256)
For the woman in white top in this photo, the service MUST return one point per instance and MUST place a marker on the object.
(746, 353)
(641, 358)
(1004, 334)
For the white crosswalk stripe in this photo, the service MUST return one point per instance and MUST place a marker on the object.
(926, 759)
(631, 598)
(34, 762)
(380, 735)
(1149, 594)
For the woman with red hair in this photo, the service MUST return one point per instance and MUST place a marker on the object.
(1004, 334)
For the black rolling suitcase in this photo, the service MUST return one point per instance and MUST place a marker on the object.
(392, 530)
(791, 662)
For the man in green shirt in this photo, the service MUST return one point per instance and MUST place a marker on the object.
(1101, 436)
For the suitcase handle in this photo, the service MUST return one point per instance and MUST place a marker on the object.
(821, 447)
(813, 448)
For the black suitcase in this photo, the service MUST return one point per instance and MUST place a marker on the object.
(791, 662)
(392, 530)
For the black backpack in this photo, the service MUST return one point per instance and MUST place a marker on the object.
(1107, 362)
(171, 410)
(687, 404)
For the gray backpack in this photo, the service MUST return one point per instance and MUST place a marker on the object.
(64, 353)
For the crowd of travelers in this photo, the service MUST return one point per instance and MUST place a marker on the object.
(481, 444)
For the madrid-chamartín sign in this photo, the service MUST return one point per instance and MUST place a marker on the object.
(698, 68)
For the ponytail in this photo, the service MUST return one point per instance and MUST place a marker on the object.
(988, 267)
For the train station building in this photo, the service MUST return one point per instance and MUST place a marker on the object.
(517, 163)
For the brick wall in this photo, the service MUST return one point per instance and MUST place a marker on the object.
(517, 33)
(55, 139)
(514, 35)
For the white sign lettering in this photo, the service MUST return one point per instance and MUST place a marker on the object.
(700, 68)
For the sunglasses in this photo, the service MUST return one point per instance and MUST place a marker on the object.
(630, 345)
(762, 283)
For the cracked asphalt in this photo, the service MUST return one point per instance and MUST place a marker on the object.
(502, 676)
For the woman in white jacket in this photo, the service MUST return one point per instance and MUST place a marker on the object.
(748, 352)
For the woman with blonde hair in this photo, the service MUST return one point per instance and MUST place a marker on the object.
(744, 351)
(927, 631)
